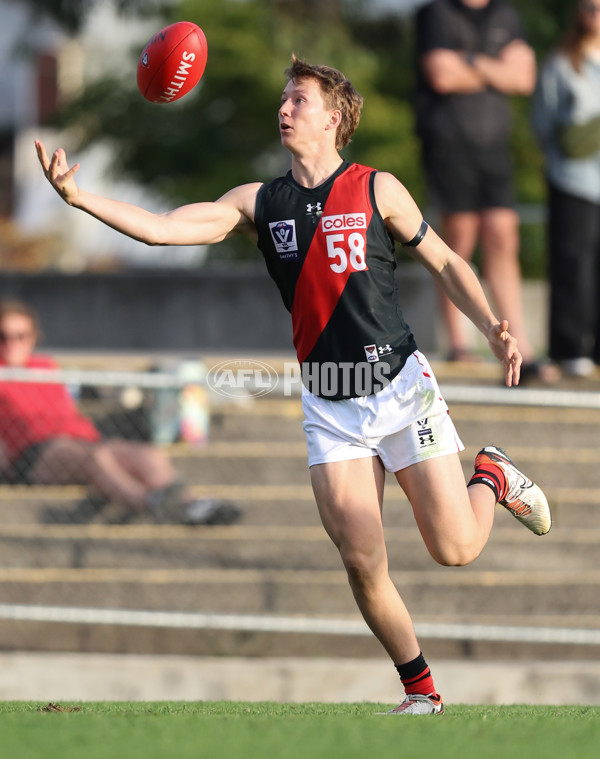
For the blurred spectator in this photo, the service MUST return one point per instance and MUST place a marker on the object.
(471, 57)
(567, 122)
(45, 440)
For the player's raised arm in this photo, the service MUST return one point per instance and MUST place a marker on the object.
(404, 220)
(194, 224)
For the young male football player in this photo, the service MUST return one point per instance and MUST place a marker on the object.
(370, 399)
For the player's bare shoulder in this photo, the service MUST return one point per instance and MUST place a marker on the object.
(389, 191)
(243, 199)
(396, 206)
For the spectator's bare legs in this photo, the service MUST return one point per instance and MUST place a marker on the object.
(121, 470)
(455, 524)
(498, 230)
(147, 465)
(502, 272)
(460, 232)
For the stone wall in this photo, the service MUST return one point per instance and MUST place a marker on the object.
(238, 308)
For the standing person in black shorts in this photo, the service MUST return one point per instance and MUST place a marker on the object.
(471, 57)
(371, 402)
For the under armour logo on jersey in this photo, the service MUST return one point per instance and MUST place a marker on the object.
(316, 208)
(284, 238)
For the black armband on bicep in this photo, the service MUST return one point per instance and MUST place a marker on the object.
(418, 237)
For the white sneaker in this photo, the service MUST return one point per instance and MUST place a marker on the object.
(524, 499)
(578, 367)
(210, 511)
(418, 704)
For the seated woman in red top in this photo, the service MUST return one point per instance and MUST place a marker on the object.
(45, 440)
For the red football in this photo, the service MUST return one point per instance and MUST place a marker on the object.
(172, 63)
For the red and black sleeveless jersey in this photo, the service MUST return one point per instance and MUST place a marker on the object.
(332, 257)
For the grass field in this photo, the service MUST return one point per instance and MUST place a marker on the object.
(294, 731)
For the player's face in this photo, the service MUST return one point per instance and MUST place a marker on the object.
(303, 116)
(17, 339)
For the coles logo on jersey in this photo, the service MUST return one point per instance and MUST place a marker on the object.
(284, 238)
(344, 221)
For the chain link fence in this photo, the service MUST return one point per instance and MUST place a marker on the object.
(106, 436)
(104, 493)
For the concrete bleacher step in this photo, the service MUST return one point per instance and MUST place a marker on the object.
(106, 638)
(478, 425)
(572, 508)
(270, 547)
(561, 469)
(277, 560)
(464, 592)
(292, 502)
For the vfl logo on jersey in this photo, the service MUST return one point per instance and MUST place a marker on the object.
(371, 353)
(284, 238)
(344, 221)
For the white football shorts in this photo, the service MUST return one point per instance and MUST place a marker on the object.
(406, 422)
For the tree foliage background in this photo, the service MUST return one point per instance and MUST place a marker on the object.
(225, 133)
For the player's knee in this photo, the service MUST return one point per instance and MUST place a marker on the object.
(454, 555)
(362, 569)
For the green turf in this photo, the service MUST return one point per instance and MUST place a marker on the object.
(295, 731)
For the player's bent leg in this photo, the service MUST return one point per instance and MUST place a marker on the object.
(454, 522)
(349, 497)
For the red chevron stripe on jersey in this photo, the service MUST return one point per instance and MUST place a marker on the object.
(337, 250)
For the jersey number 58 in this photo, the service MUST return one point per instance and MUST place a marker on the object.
(351, 252)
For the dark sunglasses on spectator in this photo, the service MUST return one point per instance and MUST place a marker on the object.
(590, 8)
(7, 337)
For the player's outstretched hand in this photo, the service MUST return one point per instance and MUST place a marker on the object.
(504, 347)
(58, 173)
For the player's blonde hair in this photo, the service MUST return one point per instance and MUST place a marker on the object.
(337, 92)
